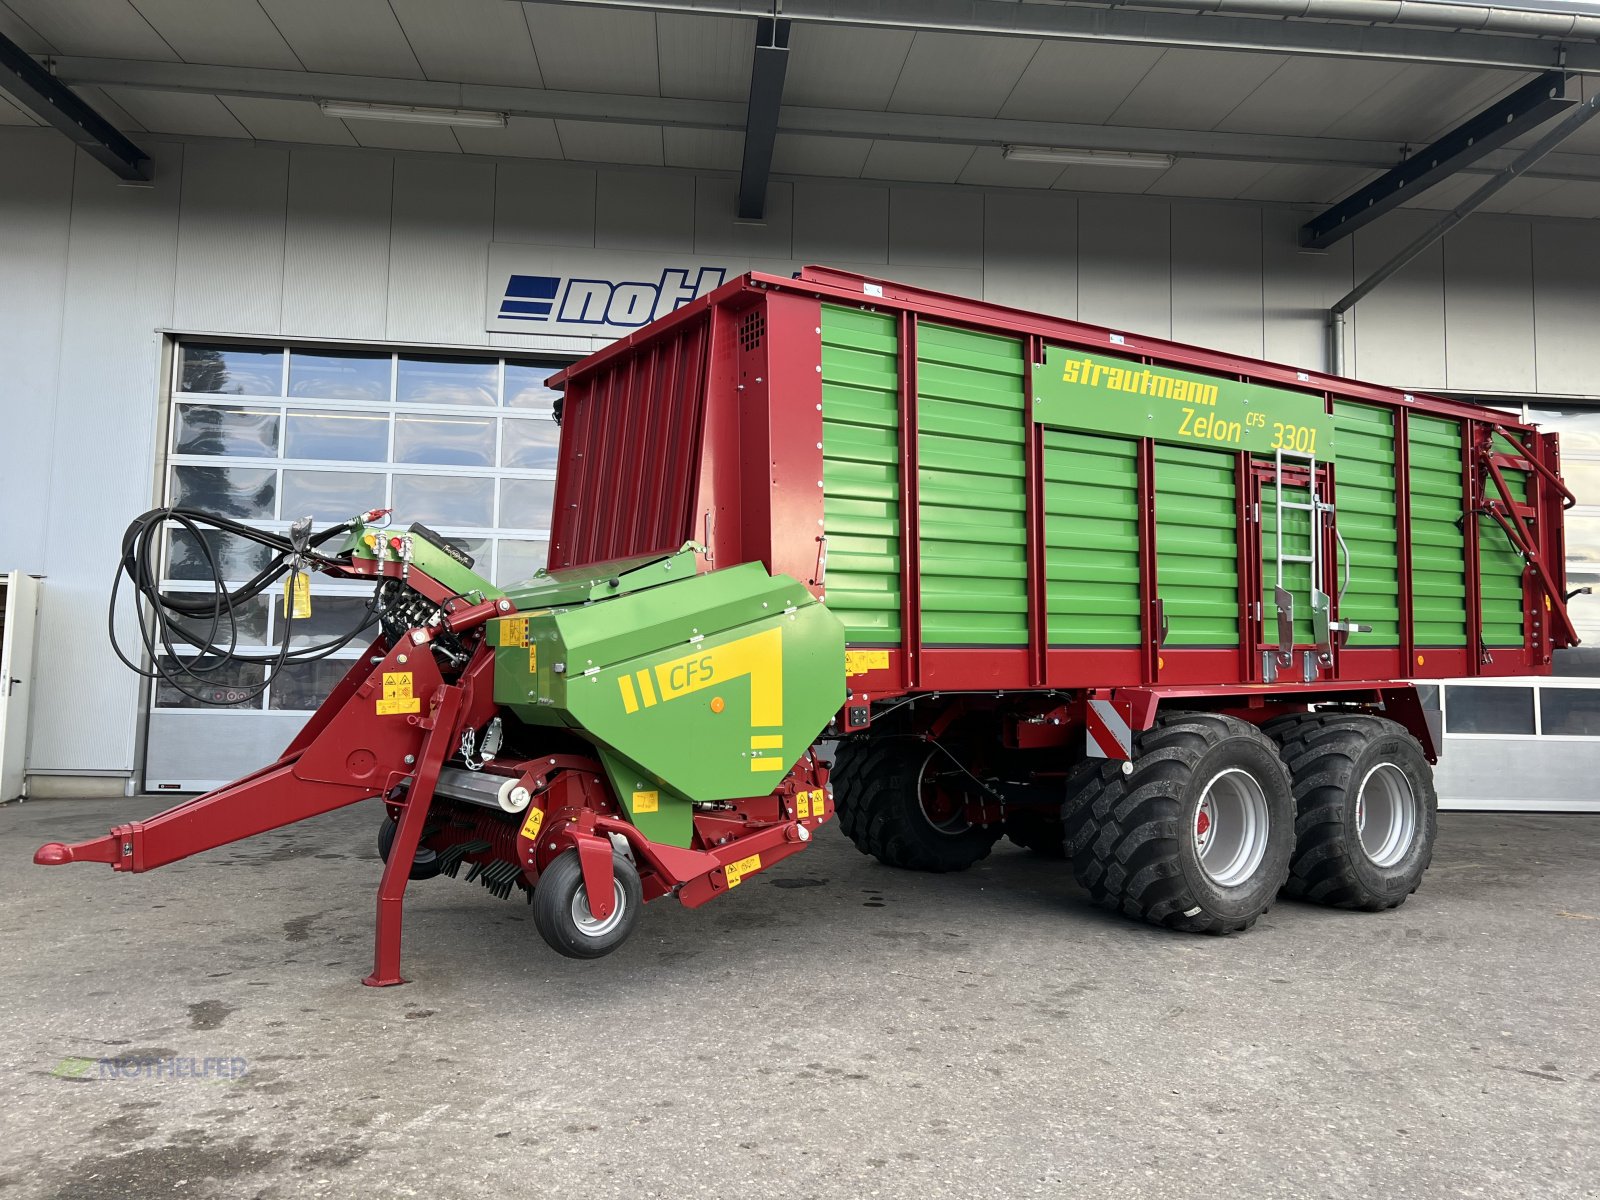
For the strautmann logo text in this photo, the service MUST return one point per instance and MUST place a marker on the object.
(630, 303)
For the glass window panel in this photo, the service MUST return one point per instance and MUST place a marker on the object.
(447, 380)
(445, 441)
(519, 560)
(223, 684)
(342, 375)
(230, 371)
(1579, 427)
(1577, 661)
(1582, 476)
(525, 386)
(1583, 538)
(1473, 709)
(226, 491)
(444, 499)
(351, 436)
(209, 429)
(237, 558)
(331, 495)
(1572, 712)
(477, 550)
(529, 443)
(303, 686)
(331, 618)
(249, 626)
(525, 503)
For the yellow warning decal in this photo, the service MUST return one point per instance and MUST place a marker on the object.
(535, 821)
(514, 631)
(533, 659)
(803, 805)
(735, 871)
(297, 596)
(817, 797)
(644, 802)
(859, 662)
(397, 697)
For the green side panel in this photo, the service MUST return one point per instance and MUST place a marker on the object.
(1091, 531)
(970, 408)
(1368, 519)
(1438, 545)
(1500, 567)
(1296, 575)
(861, 472)
(1197, 545)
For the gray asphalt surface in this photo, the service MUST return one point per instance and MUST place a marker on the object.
(833, 1028)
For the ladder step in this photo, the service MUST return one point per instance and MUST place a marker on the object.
(1299, 558)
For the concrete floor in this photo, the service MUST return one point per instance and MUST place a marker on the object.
(833, 1028)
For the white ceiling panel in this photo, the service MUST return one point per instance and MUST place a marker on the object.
(1420, 103)
(1568, 200)
(1305, 94)
(391, 135)
(288, 121)
(833, 67)
(97, 99)
(23, 34)
(1103, 179)
(705, 58)
(969, 76)
(174, 112)
(1078, 82)
(94, 28)
(1204, 177)
(988, 168)
(922, 162)
(703, 149)
(1194, 89)
(598, 141)
(471, 41)
(227, 33)
(1508, 199)
(523, 137)
(350, 37)
(1306, 185)
(10, 114)
(595, 50)
(807, 154)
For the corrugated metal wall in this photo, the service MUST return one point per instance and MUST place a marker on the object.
(369, 245)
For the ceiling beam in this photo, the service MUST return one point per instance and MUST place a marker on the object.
(767, 71)
(46, 97)
(1354, 29)
(1504, 121)
(730, 116)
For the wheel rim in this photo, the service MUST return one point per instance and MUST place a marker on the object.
(944, 810)
(590, 925)
(1386, 814)
(1230, 827)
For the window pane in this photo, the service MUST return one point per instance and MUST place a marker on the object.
(443, 500)
(1577, 661)
(237, 559)
(447, 381)
(525, 503)
(230, 372)
(339, 376)
(1469, 709)
(1579, 427)
(1583, 540)
(519, 560)
(330, 495)
(447, 441)
(306, 685)
(226, 491)
(352, 436)
(331, 618)
(249, 628)
(1573, 712)
(223, 684)
(1582, 475)
(525, 386)
(207, 429)
(529, 443)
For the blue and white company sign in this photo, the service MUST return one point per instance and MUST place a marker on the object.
(604, 294)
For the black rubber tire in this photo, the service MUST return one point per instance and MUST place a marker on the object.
(876, 784)
(1328, 754)
(424, 864)
(1130, 836)
(553, 897)
(1036, 830)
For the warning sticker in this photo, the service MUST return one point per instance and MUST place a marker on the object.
(297, 596)
(644, 802)
(859, 662)
(533, 659)
(535, 821)
(397, 697)
(514, 631)
(802, 806)
(735, 871)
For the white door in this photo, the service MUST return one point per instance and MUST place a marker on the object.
(20, 600)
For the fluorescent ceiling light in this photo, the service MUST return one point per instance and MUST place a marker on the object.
(1087, 158)
(412, 115)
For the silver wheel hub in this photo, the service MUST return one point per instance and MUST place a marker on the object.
(590, 925)
(945, 813)
(1231, 825)
(1386, 815)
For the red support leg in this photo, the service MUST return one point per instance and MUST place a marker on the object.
(397, 872)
